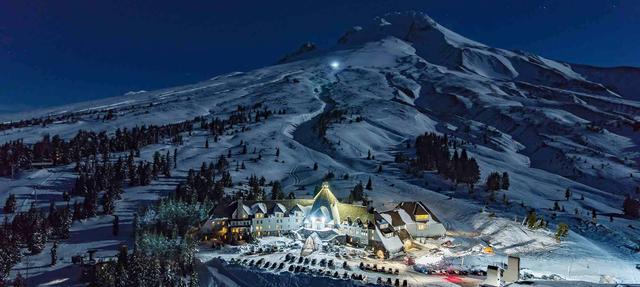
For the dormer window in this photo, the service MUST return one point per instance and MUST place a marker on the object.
(422, 217)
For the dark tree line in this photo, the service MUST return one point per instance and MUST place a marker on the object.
(16, 155)
(433, 153)
(147, 267)
(207, 184)
(242, 115)
(163, 252)
(496, 181)
(9, 251)
(31, 229)
(256, 188)
(631, 207)
(326, 119)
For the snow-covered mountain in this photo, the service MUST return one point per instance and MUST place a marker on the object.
(551, 125)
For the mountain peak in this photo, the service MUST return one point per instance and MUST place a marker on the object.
(410, 26)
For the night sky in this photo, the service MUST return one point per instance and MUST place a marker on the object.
(56, 52)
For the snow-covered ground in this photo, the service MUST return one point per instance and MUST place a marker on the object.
(550, 126)
(234, 261)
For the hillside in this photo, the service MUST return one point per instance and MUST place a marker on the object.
(550, 125)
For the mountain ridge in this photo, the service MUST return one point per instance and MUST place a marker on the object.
(549, 126)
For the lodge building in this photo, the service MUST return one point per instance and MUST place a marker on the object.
(386, 233)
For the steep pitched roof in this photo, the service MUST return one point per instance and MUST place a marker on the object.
(277, 207)
(325, 200)
(393, 217)
(380, 221)
(259, 207)
(226, 210)
(414, 208)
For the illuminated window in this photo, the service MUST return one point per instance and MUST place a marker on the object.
(422, 226)
(422, 217)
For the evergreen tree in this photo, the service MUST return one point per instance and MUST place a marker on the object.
(562, 231)
(315, 166)
(175, 158)
(9, 253)
(107, 203)
(493, 181)
(153, 274)
(369, 184)
(357, 193)
(193, 279)
(77, 211)
(10, 204)
(115, 225)
(123, 256)
(291, 195)
(54, 253)
(531, 220)
(206, 143)
(470, 171)
(276, 191)
(89, 205)
(19, 281)
(567, 194)
(505, 181)
(631, 207)
(36, 242)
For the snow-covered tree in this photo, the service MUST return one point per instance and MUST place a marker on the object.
(562, 231)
